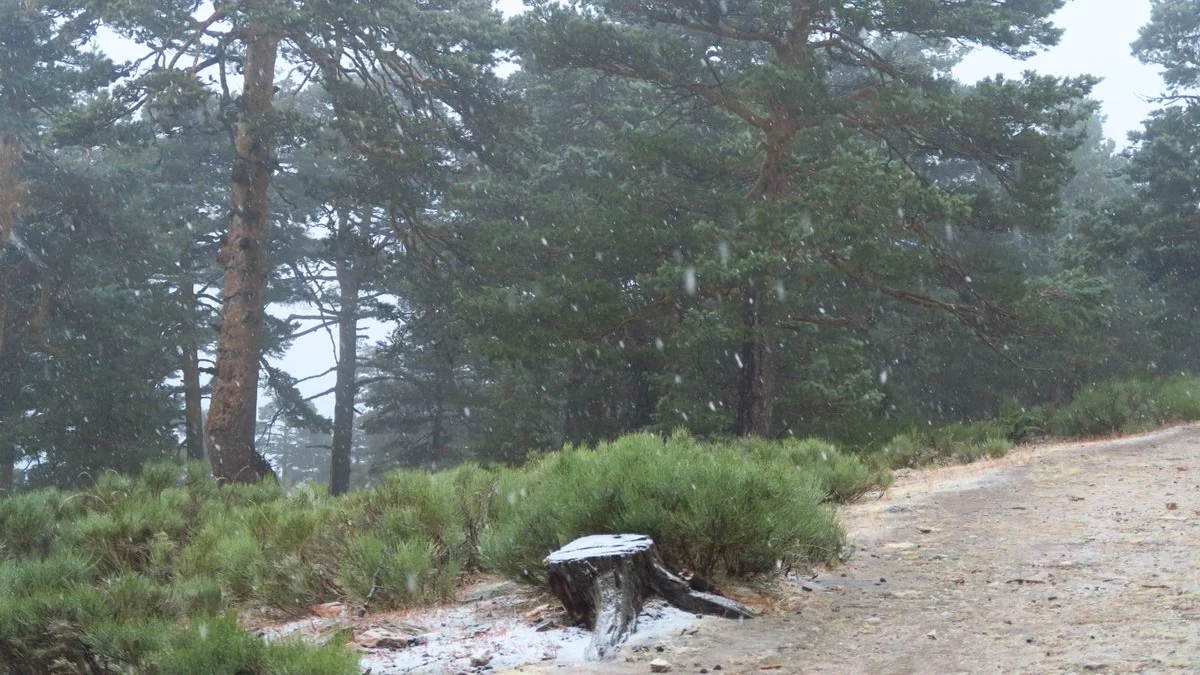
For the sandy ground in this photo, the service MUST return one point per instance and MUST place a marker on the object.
(1073, 558)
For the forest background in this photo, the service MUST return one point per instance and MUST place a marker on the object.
(739, 218)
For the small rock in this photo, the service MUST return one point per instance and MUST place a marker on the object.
(480, 659)
(896, 508)
(659, 648)
(660, 666)
(900, 546)
(369, 638)
(927, 529)
(1171, 506)
(932, 635)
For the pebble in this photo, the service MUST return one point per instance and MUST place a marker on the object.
(660, 666)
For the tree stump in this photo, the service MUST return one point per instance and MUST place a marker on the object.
(604, 579)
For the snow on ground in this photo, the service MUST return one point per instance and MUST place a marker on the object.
(491, 622)
(458, 633)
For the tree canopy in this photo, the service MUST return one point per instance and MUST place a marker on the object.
(740, 217)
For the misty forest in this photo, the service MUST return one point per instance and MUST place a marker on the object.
(702, 270)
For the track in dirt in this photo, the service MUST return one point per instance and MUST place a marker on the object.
(1074, 558)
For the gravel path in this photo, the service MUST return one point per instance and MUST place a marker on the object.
(1074, 558)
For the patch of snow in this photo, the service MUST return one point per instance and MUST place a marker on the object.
(601, 545)
(457, 633)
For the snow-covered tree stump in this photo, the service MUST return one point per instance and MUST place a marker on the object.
(604, 579)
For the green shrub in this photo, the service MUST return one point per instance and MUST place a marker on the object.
(842, 477)
(226, 552)
(300, 549)
(958, 443)
(293, 657)
(133, 597)
(158, 476)
(994, 447)
(416, 505)
(1178, 399)
(217, 645)
(908, 451)
(198, 596)
(134, 643)
(44, 605)
(707, 506)
(1023, 424)
(28, 522)
(475, 488)
(213, 645)
(1124, 406)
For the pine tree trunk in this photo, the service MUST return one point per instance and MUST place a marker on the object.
(193, 415)
(436, 430)
(7, 459)
(345, 389)
(756, 388)
(232, 410)
(12, 194)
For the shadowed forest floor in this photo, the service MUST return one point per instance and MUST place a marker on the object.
(1071, 558)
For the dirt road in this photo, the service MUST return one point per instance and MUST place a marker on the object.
(1076, 558)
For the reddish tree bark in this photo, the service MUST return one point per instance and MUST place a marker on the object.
(233, 407)
(12, 193)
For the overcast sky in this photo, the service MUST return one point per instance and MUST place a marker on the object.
(1096, 42)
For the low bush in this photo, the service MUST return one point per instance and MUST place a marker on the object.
(1178, 399)
(217, 645)
(127, 574)
(1118, 406)
(1127, 406)
(842, 477)
(711, 507)
(959, 443)
(1102, 409)
(1022, 424)
(58, 616)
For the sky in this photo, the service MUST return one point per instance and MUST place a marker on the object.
(1096, 39)
(1096, 42)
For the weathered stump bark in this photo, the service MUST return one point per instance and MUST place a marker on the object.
(604, 579)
